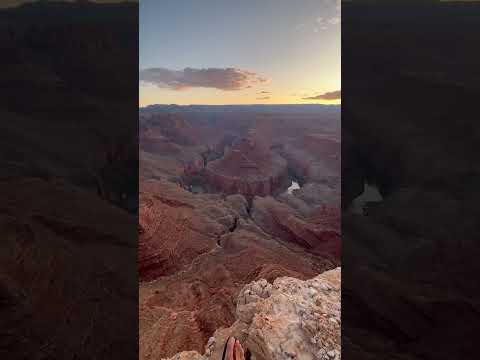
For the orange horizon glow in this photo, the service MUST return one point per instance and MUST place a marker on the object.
(284, 54)
(145, 101)
(152, 95)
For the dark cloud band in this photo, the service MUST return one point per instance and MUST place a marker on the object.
(218, 78)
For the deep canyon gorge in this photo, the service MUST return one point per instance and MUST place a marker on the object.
(228, 196)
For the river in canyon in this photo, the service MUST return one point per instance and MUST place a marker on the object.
(294, 186)
(370, 194)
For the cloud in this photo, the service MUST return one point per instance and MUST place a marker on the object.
(332, 95)
(217, 78)
(263, 98)
(264, 92)
(334, 20)
(335, 9)
(299, 27)
(322, 23)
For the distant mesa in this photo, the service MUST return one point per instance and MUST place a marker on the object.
(248, 168)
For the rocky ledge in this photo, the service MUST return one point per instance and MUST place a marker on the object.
(289, 319)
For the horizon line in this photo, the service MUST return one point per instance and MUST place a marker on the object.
(184, 105)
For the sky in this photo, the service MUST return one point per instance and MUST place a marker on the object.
(239, 52)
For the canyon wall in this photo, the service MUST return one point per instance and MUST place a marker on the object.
(215, 216)
(248, 168)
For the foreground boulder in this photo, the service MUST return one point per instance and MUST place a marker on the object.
(289, 319)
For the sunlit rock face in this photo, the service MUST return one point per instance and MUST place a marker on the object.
(289, 319)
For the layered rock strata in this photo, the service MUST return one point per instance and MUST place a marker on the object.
(248, 168)
(196, 252)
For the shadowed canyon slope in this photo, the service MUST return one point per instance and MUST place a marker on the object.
(409, 127)
(217, 211)
(69, 170)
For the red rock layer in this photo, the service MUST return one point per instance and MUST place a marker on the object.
(201, 250)
(249, 168)
(319, 233)
(315, 156)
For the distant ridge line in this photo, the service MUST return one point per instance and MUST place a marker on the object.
(253, 107)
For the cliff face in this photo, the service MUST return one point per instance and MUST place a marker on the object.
(319, 233)
(315, 157)
(196, 252)
(235, 225)
(248, 168)
(289, 319)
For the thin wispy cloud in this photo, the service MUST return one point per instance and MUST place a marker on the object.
(331, 95)
(218, 78)
(263, 98)
(334, 20)
(322, 22)
(264, 92)
(299, 27)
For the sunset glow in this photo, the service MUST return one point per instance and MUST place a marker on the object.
(249, 52)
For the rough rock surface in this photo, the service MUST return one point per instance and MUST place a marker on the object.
(249, 168)
(59, 258)
(320, 233)
(196, 252)
(199, 244)
(315, 157)
(289, 319)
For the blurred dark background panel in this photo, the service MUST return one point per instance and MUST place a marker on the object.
(410, 179)
(68, 180)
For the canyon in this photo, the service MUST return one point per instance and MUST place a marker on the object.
(69, 180)
(216, 212)
(412, 294)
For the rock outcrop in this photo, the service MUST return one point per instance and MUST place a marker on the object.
(289, 319)
(248, 168)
